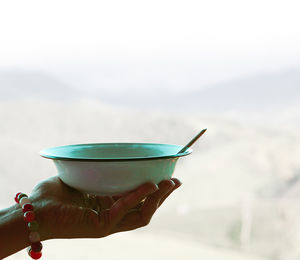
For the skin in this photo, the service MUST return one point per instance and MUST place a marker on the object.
(63, 212)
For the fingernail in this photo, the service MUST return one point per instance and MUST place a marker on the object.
(178, 182)
(170, 185)
(156, 187)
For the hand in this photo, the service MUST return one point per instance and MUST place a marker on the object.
(63, 212)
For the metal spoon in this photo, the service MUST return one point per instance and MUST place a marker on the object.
(192, 141)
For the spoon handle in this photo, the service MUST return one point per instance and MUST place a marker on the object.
(192, 141)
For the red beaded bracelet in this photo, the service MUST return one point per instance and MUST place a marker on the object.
(35, 249)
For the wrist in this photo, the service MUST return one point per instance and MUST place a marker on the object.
(14, 231)
(39, 205)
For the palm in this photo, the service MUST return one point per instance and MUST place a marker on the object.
(67, 213)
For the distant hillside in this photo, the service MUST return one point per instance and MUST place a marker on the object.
(19, 84)
(273, 92)
(252, 93)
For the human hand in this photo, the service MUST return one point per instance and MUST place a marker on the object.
(63, 212)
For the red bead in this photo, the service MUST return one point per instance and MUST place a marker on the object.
(20, 196)
(29, 216)
(35, 255)
(36, 247)
(27, 207)
(16, 197)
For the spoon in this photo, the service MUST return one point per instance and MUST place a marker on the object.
(192, 141)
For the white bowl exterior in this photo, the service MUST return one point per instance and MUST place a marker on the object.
(107, 178)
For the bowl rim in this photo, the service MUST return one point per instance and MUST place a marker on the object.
(46, 153)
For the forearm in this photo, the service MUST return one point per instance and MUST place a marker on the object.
(13, 231)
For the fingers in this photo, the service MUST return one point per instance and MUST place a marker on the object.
(141, 215)
(152, 202)
(124, 204)
(177, 183)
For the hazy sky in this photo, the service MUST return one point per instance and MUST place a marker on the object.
(152, 43)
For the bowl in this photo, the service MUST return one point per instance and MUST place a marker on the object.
(109, 169)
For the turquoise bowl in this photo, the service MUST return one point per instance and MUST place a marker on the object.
(109, 169)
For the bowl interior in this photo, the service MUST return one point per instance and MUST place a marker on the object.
(113, 151)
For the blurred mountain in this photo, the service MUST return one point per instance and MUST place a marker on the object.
(272, 95)
(251, 94)
(265, 91)
(20, 84)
